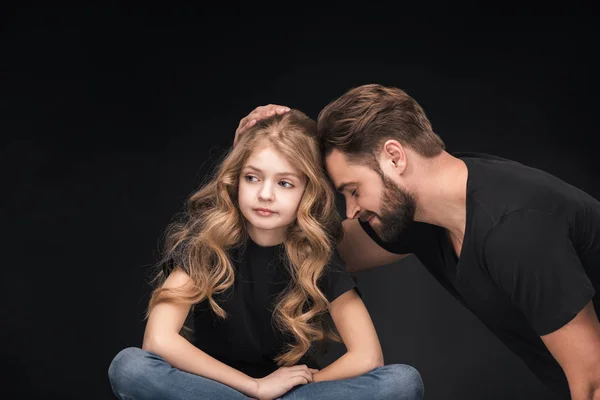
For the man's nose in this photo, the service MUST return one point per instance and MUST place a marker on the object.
(352, 209)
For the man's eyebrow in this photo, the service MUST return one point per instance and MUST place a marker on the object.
(278, 174)
(343, 186)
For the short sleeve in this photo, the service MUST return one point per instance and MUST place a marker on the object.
(336, 280)
(530, 256)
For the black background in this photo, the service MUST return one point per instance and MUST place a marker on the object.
(111, 117)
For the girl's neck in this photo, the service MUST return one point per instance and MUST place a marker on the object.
(266, 237)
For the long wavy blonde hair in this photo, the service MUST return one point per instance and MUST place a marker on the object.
(213, 224)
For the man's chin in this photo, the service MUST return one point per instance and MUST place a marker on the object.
(384, 234)
(390, 235)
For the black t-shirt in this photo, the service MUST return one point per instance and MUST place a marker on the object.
(248, 339)
(530, 259)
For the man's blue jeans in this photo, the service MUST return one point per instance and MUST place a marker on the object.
(136, 374)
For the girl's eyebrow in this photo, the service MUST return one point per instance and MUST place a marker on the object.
(277, 174)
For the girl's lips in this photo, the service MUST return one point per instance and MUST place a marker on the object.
(264, 211)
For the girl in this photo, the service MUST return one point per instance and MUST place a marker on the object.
(247, 282)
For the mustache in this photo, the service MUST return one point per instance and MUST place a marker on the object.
(364, 216)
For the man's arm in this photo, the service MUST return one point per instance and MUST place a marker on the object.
(530, 256)
(359, 251)
(576, 347)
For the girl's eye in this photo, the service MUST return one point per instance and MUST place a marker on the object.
(354, 192)
(286, 184)
(250, 178)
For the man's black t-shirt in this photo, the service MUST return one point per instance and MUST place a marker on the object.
(248, 339)
(530, 258)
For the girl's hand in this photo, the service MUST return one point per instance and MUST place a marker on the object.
(282, 381)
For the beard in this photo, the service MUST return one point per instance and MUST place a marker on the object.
(397, 214)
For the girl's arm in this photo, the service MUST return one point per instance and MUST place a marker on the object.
(162, 337)
(357, 331)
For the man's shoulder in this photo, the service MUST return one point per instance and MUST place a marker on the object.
(478, 155)
(498, 187)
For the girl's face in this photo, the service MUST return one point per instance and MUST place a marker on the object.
(270, 190)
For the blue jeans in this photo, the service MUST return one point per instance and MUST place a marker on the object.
(136, 374)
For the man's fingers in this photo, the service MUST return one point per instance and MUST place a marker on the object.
(273, 109)
(240, 131)
(248, 125)
(250, 116)
(267, 111)
(256, 115)
(263, 112)
(243, 122)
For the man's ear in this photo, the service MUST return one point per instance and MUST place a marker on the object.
(394, 154)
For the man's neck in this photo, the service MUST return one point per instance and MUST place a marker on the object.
(442, 194)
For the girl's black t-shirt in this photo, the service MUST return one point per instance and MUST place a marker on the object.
(248, 338)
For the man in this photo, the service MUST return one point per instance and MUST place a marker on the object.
(515, 245)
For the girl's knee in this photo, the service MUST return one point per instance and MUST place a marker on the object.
(127, 365)
(400, 381)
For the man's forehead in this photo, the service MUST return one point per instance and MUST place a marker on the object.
(342, 162)
(336, 156)
(337, 164)
(341, 171)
